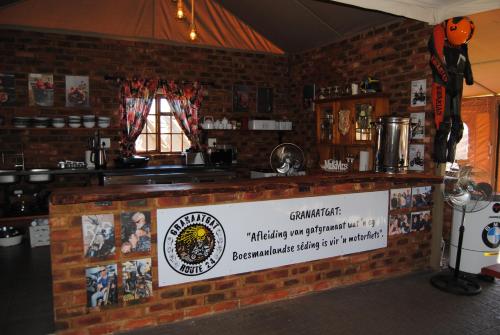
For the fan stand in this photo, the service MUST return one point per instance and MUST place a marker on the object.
(454, 282)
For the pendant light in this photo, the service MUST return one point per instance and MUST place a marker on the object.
(180, 10)
(192, 30)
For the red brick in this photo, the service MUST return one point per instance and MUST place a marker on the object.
(225, 306)
(139, 323)
(253, 300)
(107, 328)
(278, 295)
(171, 202)
(88, 320)
(171, 317)
(198, 311)
(69, 286)
(161, 307)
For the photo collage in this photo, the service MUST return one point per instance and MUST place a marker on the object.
(409, 210)
(103, 281)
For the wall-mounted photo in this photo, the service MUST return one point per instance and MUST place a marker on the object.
(418, 96)
(77, 91)
(399, 224)
(135, 232)
(241, 98)
(137, 279)
(41, 89)
(416, 157)
(421, 196)
(421, 220)
(102, 288)
(417, 126)
(308, 95)
(98, 235)
(400, 198)
(264, 100)
(7, 89)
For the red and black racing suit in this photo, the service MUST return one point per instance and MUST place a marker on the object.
(450, 65)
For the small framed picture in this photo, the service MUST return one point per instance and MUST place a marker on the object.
(7, 89)
(137, 279)
(400, 198)
(41, 89)
(264, 100)
(77, 91)
(399, 224)
(421, 196)
(308, 95)
(102, 288)
(416, 157)
(98, 235)
(135, 232)
(421, 220)
(417, 126)
(418, 95)
(241, 98)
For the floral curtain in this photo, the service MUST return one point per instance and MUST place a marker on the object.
(136, 97)
(185, 101)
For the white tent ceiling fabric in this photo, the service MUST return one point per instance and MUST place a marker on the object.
(430, 11)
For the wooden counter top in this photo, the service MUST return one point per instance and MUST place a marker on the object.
(301, 183)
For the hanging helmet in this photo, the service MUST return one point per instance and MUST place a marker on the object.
(459, 30)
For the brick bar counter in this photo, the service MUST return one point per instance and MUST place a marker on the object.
(210, 285)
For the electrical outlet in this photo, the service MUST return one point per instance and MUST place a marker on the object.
(211, 142)
(107, 142)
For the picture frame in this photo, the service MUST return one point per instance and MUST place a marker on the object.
(264, 100)
(41, 89)
(77, 91)
(418, 95)
(416, 157)
(102, 285)
(417, 126)
(241, 98)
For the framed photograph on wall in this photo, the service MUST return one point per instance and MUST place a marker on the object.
(98, 235)
(241, 98)
(416, 157)
(264, 100)
(137, 279)
(102, 285)
(7, 89)
(135, 232)
(417, 126)
(418, 95)
(41, 89)
(308, 97)
(421, 220)
(77, 91)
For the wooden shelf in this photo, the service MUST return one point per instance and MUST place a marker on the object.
(20, 221)
(353, 97)
(54, 128)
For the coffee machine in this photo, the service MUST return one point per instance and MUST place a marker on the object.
(97, 151)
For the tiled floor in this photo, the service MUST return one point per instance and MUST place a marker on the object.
(407, 305)
(25, 290)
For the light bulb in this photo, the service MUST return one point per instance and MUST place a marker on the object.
(192, 34)
(180, 10)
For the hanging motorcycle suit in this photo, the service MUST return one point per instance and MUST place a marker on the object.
(450, 65)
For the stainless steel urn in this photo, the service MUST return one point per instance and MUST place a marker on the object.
(391, 154)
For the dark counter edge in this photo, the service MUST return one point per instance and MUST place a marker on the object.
(74, 195)
(119, 171)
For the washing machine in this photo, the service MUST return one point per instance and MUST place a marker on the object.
(481, 242)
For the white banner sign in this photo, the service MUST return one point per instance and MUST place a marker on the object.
(196, 243)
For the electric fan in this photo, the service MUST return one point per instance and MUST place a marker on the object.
(287, 159)
(465, 194)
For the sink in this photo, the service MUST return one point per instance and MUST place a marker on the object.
(8, 178)
(39, 176)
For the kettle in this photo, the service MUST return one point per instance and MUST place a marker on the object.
(98, 157)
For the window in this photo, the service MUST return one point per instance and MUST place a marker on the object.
(162, 133)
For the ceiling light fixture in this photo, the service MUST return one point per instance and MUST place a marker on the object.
(192, 30)
(180, 10)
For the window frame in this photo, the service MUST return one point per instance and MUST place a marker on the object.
(185, 143)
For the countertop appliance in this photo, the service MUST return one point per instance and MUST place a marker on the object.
(393, 135)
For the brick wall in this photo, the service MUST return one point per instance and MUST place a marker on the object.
(404, 254)
(395, 54)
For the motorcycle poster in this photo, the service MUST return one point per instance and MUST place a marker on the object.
(418, 95)
(416, 157)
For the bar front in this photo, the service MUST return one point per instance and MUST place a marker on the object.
(131, 256)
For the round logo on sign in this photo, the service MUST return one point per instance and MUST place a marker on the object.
(194, 243)
(491, 235)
